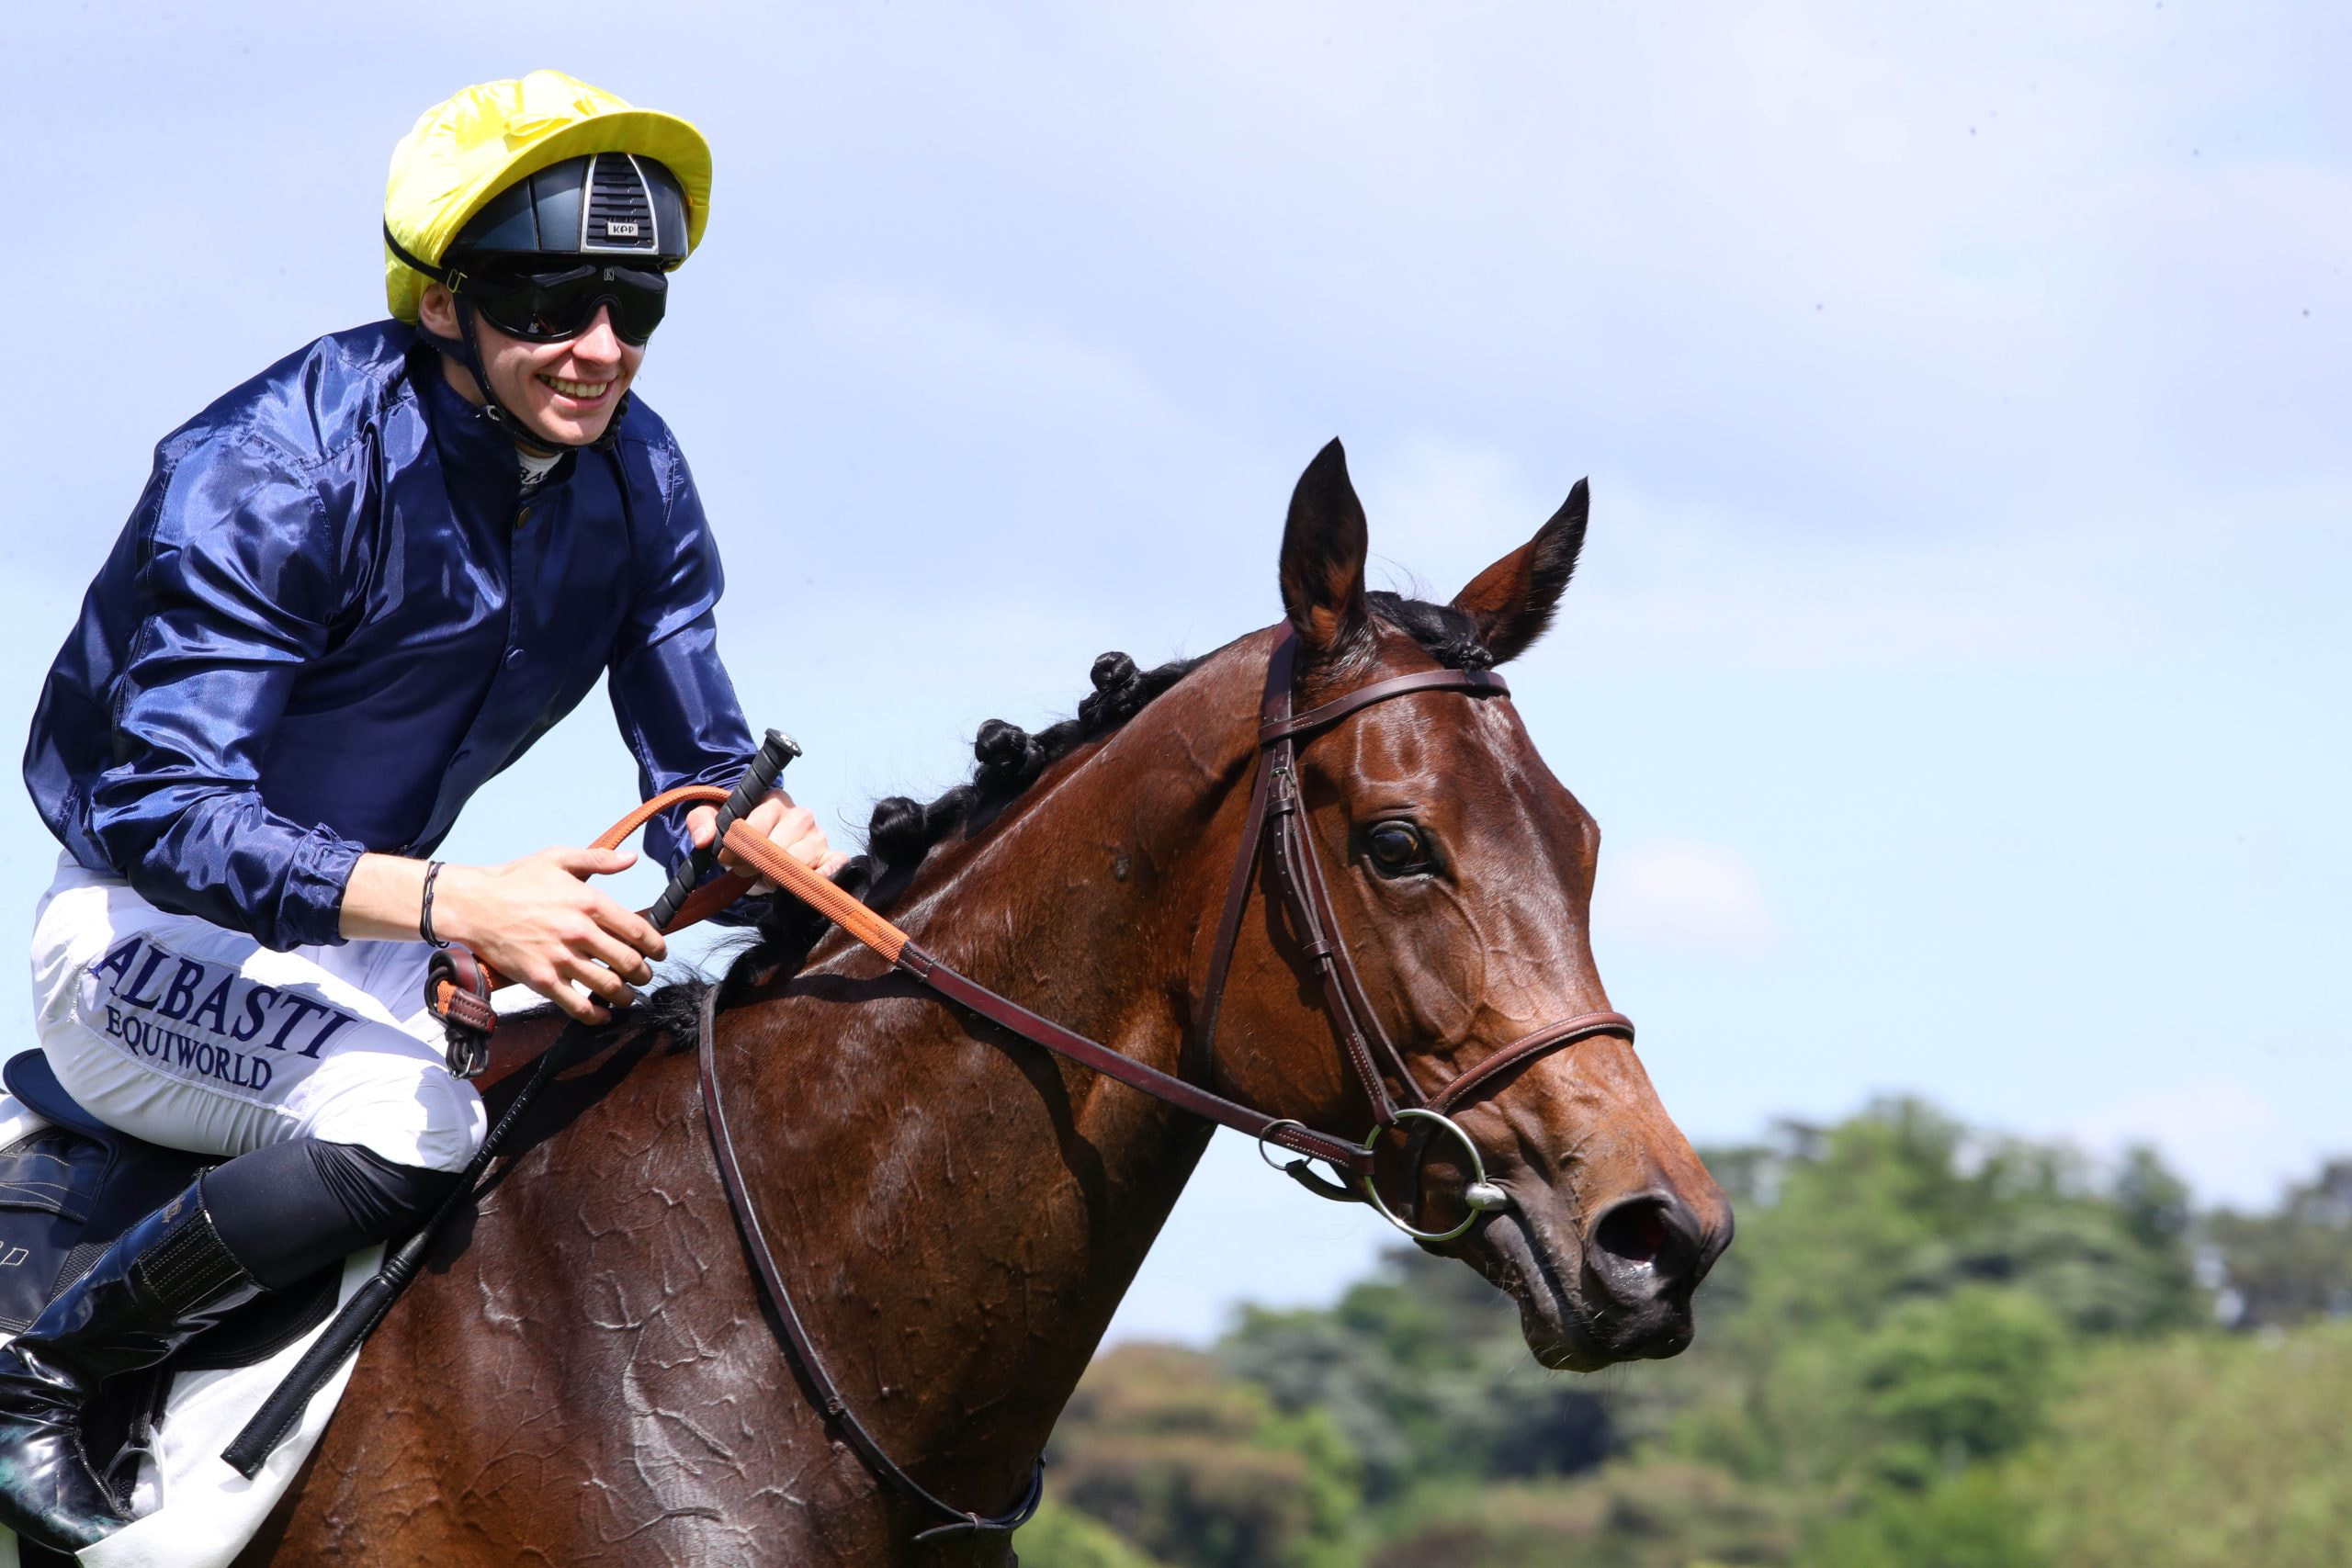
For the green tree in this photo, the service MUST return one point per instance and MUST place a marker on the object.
(1854, 1231)
(2201, 1450)
(1956, 1378)
(1971, 1520)
(1198, 1469)
(2296, 1264)
(1061, 1536)
(1424, 1368)
(1902, 1202)
(1930, 1348)
(1652, 1515)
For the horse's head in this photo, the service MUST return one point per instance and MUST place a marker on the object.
(1461, 874)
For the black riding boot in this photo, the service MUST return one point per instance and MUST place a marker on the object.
(168, 1278)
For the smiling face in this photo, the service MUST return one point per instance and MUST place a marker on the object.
(566, 392)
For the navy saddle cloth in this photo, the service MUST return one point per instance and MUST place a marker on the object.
(70, 1188)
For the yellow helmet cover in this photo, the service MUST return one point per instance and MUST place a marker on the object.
(464, 151)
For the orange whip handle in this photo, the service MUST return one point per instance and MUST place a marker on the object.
(820, 893)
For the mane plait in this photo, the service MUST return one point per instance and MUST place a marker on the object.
(1008, 758)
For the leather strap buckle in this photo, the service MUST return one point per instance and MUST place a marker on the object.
(456, 991)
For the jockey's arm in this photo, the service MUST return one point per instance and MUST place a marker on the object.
(537, 921)
(242, 600)
(241, 597)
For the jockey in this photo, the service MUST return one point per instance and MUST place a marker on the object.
(355, 588)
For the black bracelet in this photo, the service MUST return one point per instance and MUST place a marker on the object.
(425, 918)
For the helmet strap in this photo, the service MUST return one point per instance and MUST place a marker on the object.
(517, 430)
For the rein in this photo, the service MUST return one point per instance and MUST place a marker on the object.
(1274, 829)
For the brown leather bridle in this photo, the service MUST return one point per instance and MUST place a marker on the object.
(1276, 829)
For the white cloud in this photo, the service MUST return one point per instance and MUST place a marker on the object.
(2233, 1145)
(1682, 892)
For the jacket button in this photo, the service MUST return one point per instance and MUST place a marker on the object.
(523, 518)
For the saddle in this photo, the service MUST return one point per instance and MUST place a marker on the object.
(67, 1190)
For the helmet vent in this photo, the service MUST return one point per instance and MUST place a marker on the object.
(619, 212)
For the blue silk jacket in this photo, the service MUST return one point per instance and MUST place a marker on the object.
(335, 613)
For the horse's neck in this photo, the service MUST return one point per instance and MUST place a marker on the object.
(967, 1209)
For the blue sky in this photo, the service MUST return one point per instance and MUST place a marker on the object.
(1958, 667)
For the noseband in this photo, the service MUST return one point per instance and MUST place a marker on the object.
(1276, 830)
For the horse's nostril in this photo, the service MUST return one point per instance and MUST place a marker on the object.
(1634, 1232)
(1655, 1239)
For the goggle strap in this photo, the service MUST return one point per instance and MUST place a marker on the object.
(446, 277)
(499, 414)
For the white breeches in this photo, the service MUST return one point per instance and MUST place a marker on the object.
(192, 1035)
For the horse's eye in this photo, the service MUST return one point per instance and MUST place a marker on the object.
(1397, 849)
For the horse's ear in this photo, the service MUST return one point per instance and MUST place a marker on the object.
(1323, 552)
(1512, 600)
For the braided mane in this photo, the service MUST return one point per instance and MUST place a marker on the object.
(903, 832)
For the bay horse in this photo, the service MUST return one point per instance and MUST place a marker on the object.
(587, 1373)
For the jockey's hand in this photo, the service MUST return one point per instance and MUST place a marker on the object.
(792, 828)
(537, 922)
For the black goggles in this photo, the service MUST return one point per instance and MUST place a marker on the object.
(541, 306)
